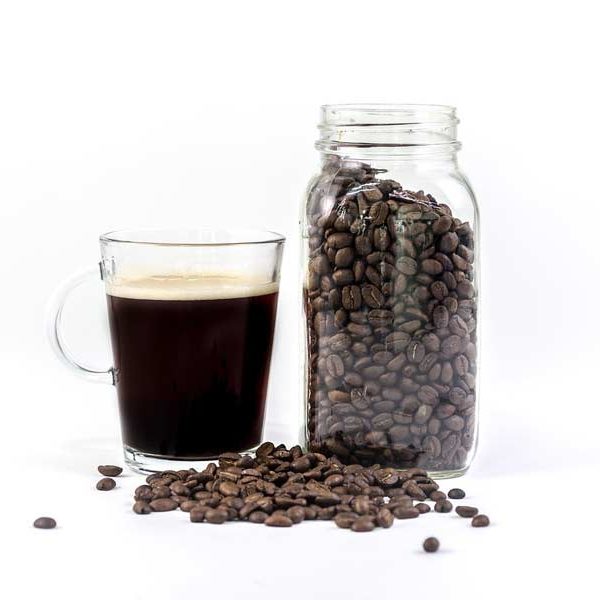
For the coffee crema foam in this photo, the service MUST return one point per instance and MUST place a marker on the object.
(189, 287)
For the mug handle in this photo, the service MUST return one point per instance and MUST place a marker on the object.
(55, 334)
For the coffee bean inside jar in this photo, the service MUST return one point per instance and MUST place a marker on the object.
(391, 313)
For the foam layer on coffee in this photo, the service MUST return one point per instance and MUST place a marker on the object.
(189, 287)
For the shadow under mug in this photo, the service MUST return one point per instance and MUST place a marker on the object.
(192, 317)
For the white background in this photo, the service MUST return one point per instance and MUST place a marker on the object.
(122, 114)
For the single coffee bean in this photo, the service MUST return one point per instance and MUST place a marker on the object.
(278, 520)
(443, 506)
(258, 516)
(456, 494)
(110, 470)
(406, 513)
(106, 484)
(188, 505)
(363, 524)
(198, 513)
(163, 504)
(265, 449)
(431, 544)
(141, 507)
(296, 514)
(422, 507)
(344, 520)
(144, 492)
(384, 518)
(480, 521)
(216, 516)
(467, 512)
(228, 488)
(44, 523)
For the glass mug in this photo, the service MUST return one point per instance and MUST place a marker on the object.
(192, 317)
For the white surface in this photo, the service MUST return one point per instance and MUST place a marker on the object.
(127, 114)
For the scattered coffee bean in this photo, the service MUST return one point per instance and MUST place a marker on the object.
(216, 516)
(106, 484)
(141, 507)
(44, 523)
(163, 505)
(443, 506)
(384, 518)
(406, 513)
(466, 511)
(480, 521)
(431, 544)
(258, 516)
(110, 470)
(456, 494)
(422, 507)
(437, 495)
(345, 519)
(296, 514)
(279, 520)
(362, 524)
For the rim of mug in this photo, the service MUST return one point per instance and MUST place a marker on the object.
(240, 236)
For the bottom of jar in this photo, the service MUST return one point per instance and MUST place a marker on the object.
(400, 458)
(450, 474)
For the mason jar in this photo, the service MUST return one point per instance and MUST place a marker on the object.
(390, 285)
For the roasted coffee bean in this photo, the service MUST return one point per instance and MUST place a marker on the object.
(278, 520)
(296, 514)
(163, 504)
(437, 495)
(258, 516)
(228, 488)
(443, 506)
(363, 524)
(106, 484)
(216, 516)
(384, 518)
(44, 523)
(144, 492)
(188, 505)
(467, 511)
(431, 544)
(422, 507)
(110, 470)
(456, 494)
(344, 520)
(265, 449)
(406, 513)
(480, 521)
(141, 507)
(198, 513)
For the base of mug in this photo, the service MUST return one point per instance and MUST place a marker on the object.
(144, 463)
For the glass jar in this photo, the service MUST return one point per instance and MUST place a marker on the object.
(390, 276)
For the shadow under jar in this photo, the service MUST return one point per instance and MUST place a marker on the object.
(390, 291)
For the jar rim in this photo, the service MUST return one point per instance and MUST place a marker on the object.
(386, 114)
(392, 130)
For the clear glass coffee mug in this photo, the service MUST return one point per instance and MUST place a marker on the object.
(192, 317)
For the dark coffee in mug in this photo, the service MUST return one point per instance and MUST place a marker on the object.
(191, 363)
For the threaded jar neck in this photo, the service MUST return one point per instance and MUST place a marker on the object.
(388, 130)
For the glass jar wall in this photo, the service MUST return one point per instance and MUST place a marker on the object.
(390, 291)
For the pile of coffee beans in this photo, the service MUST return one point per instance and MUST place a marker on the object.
(391, 310)
(281, 488)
